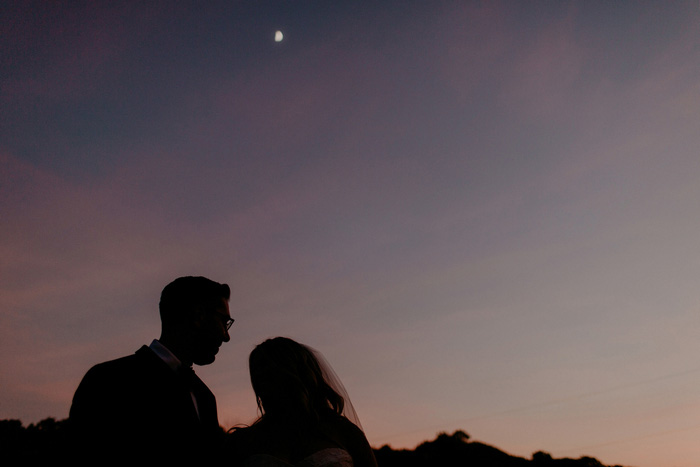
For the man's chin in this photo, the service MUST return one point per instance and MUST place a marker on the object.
(205, 359)
(206, 355)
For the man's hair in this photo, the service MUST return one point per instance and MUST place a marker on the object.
(185, 294)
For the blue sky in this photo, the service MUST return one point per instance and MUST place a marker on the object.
(485, 215)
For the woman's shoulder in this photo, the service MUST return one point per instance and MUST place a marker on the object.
(335, 457)
(352, 439)
(240, 432)
(341, 424)
(343, 431)
(239, 439)
(239, 445)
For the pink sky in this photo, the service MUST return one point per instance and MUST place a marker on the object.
(485, 216)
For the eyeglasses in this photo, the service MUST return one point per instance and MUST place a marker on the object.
(228, 321)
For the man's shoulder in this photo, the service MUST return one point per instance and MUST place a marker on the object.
(143, 358)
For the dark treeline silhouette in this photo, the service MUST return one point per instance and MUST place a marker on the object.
(40, 443)
(47, 441)
(457, 450)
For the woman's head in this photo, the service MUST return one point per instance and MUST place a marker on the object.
(289, 383)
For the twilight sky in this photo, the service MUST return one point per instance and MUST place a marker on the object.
(486, 215)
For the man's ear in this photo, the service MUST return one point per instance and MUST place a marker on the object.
(197, 317)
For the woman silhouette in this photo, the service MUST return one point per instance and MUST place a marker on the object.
(306, 418)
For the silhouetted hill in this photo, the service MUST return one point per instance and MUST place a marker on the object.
(457, 451)
(35, 444)
(46, 441)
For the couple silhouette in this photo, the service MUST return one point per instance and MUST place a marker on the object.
(151, 406)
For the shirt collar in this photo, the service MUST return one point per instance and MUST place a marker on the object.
(166, 355)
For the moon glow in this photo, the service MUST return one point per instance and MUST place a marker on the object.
(279, 36)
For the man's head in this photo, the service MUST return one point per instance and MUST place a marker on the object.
(195, 318)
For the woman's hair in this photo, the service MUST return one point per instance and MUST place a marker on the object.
(289, 383)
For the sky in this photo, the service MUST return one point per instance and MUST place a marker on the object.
(484, 214)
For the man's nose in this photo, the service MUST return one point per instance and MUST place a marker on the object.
(226, 336)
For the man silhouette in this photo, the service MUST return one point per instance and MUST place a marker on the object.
(150, 405)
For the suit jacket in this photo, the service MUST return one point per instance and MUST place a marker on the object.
(136, 407)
